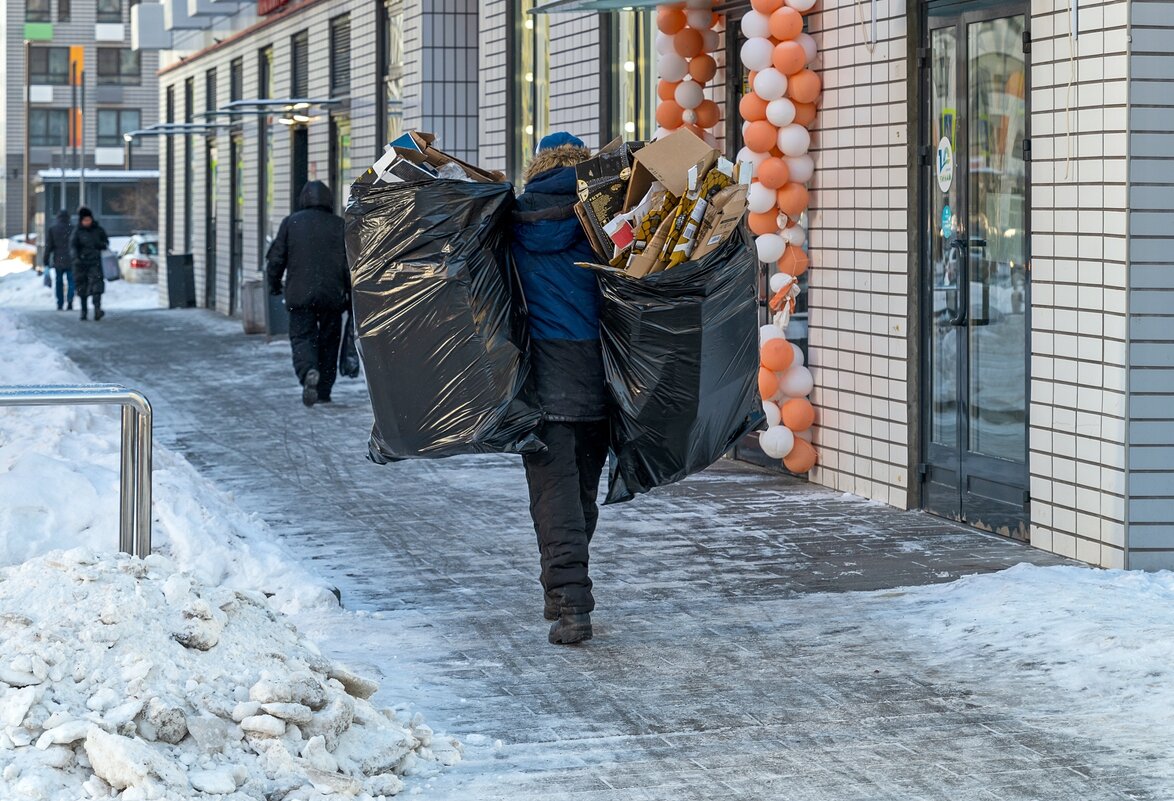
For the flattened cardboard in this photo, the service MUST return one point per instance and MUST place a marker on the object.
(649, 261)
(729, 207)
(416, 147)
(668, 160)
(592, 238)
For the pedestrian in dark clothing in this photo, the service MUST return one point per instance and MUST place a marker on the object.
(567, 362)
(57, 256)
(86, 245)
(310, 253)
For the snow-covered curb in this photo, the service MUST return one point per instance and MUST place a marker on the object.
(122, 674)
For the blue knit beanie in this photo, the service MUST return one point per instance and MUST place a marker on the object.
(558, 139)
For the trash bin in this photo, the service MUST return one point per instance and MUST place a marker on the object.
(181, 281)
(253, 297)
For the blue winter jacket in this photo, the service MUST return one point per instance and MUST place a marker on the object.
(562, 298)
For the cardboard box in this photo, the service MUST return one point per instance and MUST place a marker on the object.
(416, 146)
(668, 160)
(601, 182)
(722, 218)
(649, 261)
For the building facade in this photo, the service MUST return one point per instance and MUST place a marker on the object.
(85, 87)
(988, 310)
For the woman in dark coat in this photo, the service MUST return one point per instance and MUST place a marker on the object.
(567, 360)
(86, 246)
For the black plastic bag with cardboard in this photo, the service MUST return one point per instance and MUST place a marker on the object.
(439, 319)
(680, 350)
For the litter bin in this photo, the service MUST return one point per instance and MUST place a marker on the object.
(181, 281)
(253, 296)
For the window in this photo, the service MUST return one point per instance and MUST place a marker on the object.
(48, 127)
(63, 10)
(109, 10)
(391, 68)
(118, 65)
(169, 162)
(528, 93)
(299, 59)
(114, 122)
(189, 161)
(630, 90)
(236, 79)
(37, 11)
(340, 55)
(267, 223)
(210, 90)
(49, 65)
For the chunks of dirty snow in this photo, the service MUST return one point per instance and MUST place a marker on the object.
(264, 725)
(214, 782)
(68, 732)
(15, 704)
(18, 678)
(298, 714)
(354, 684)
(163, 722)
(123, 762)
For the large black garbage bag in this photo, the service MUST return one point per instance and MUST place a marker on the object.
(680, 350)
(439, 319)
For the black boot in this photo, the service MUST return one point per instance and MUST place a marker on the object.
(570, 628)
(310, 388)
(98, 313)
(550, 607)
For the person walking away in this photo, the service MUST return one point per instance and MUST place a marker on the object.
(310, 253)
(57, 256)
(86, 245)
(567, 364)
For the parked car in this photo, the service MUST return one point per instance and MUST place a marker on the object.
(138, 261)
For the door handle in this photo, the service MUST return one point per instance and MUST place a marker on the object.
(960, 248)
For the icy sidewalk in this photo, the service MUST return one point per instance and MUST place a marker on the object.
(756, 638)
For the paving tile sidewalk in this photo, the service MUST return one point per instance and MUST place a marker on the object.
(727, 660)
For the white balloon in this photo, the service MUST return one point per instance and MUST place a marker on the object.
(688, 94)
(801, 168)
(780, 112)
(689, 116)
(807, 42)
(798, 360)
(795, 235)
(770, 248)
(755, 25)
(770, 84)
(711, 40)
(760, 200)
(664, 43)
(672, 67)
(756, 54)
(805, 435)
(800, 5)
(699, 18)
(774, 415)
(777, 442)
(768, 332)
(793, 140)
(797, 381)
(779, 281)
(661, 133)
(746, 154)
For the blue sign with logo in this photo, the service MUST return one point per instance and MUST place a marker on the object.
(947, 222)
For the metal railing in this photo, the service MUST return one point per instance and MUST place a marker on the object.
(134, 516)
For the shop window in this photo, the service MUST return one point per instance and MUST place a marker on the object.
(117, 200)
(114, 122)
(266, 227)
(37, 11)
(629, 96)
(236, 79)
(528, 91)
(48, 127)
(119, 65)
(299, 59)
(189, 162)
(49, 65)
(169, 164)
(210, 90)
(340, 55)
(109, 10)
(391, 70)
(64, 9)
(340, 159)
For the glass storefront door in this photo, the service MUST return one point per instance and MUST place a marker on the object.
(977, 269)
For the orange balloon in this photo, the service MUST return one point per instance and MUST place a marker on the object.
(689, 43)
(667, 90)
(766, 222)
(669, 115)
(803, 86)
(801, 458)
(767, 7)
(670, 20)
(793, 199)
(794, 261)
(804, 114)
(752, 107)
(788, 57)
(761, 136)
(798, 414)
(703, 68)
(708, 114)
(774, 151)
(773, 173)
(768, 382)
(777, 355)
(785, 24)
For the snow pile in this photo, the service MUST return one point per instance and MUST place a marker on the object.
(59, 489)
(126, 675)
(21, 287)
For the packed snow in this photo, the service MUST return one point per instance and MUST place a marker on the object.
(22, 287)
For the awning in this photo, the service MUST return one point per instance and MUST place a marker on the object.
(568, 6)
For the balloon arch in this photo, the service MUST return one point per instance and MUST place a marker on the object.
(777, 117)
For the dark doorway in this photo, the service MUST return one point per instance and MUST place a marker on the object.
(211, 162)
(300, 164)
(237, 246)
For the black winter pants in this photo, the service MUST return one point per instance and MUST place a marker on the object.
(314, 338)
(564, 482)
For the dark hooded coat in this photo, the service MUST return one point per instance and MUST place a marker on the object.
(57, 243)
(86, 246)
(562, 299)
(310, 253)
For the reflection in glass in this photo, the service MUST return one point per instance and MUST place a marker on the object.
(943, 208)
